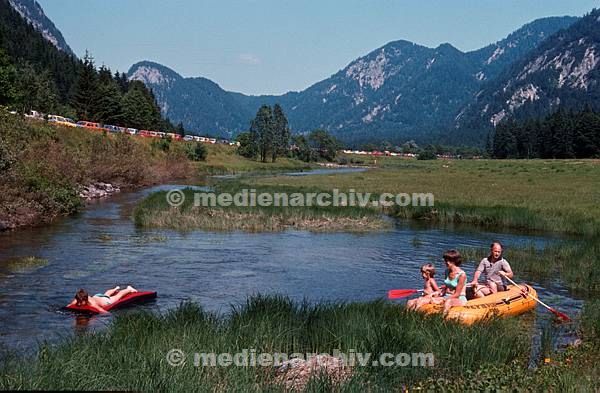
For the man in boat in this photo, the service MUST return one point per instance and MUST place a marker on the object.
(494, 267)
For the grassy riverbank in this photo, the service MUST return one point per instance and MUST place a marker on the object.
(131, 353)
(155, 211)
(42, 167)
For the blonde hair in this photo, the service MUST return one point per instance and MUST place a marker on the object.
(429, 269)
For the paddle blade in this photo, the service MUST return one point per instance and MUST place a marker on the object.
(561, 315)
(400, 293)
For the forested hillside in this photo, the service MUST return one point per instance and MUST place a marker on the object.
(36, 75)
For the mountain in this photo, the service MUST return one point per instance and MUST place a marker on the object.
(494, 58)
(397, 92)
(200, 104)
(562, 71)
(32, 12)
(36, 58)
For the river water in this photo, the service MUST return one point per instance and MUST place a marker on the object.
(101, 248)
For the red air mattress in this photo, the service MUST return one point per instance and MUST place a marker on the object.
(134, 297)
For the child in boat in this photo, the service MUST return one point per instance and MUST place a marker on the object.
(430, 288)
(101, 300)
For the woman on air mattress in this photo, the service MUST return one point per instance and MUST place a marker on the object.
(101, 301)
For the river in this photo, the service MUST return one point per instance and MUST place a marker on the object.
(100, 248)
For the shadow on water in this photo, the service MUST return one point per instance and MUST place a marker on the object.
(100, 248)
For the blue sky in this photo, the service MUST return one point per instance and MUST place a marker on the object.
(274, 46)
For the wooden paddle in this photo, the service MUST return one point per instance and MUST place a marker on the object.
(559, 314)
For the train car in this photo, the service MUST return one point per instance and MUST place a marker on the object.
(132, 131)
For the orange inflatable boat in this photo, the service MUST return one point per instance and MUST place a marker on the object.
(502, 304)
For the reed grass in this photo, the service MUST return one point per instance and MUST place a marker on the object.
(130, 354)
(575, 262)
(155, 212)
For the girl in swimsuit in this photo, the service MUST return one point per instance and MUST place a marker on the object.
(456, 278)
(101, 300)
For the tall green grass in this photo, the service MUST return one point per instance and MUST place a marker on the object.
(512, 217)
(131, 353)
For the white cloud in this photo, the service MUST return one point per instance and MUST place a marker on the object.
(249, 58)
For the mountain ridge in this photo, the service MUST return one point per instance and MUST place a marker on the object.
(399, 91)
(563, 71)
(32, 12)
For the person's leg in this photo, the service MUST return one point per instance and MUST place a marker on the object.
(411, 304)
(113, 291)
(452, 302)
(493, 287)
(423, 300)
(481, 290)
(122, 293)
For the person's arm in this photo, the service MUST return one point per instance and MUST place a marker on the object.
(461, 284)
(434, 286)
(506, 270)
(73, 302)
(100, 310)
(97, 308)
(477, 274)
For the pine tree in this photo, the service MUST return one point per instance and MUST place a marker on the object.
(505, 142)
(35, 90)
(137, 111)
(8, 76)
(85, 92)
(122, 81)
(140, 109)
(109, 110)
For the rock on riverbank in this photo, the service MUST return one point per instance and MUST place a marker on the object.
(98, 190)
